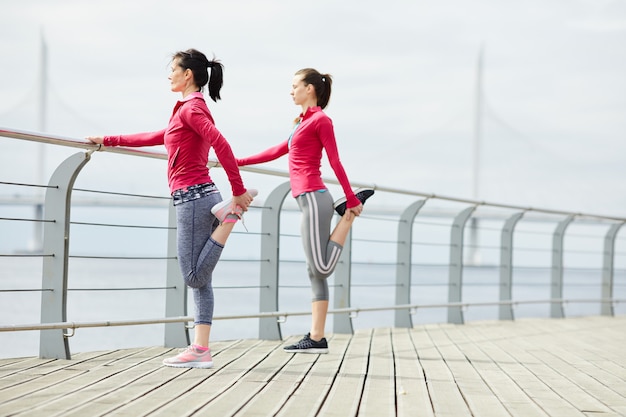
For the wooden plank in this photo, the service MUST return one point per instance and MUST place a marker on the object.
(532, 368)
(249, 384)
(168, 384)
(19, 373)
(220, 381)
(554, 370)
(379, 393)
(477, 394)
(609, 355)
(344, 396)
(125, 387)
(11, 366)
(305, 380)
(62, 396)
(444, 392)
(272, 396)
(517, 363)
(597, 398)
(514, 399)
(411, 391)
(584, 369)
(37, 367)
(52, 380)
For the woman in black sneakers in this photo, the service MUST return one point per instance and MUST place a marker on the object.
(314, 133)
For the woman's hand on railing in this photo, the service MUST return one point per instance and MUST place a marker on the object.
(98, 140)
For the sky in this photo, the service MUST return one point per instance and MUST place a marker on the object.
(553, 119)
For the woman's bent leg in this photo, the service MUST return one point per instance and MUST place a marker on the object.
(201, 240)
(199, 253)
(322, 253)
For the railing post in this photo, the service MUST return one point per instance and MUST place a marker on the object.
(455, 282)
(404, 261)
(56, 241)
(608, 260)
(342, 322)
(175, 334)
(269, 328)
(506, 266)
(556, 309)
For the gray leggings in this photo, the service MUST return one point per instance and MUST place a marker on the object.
(197, 252)
(321, 254)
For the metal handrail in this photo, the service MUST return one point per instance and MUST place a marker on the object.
(55, 329)
(65, 141)
(282, 315)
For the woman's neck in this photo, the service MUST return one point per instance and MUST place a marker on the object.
(308, 105)
(189, 89)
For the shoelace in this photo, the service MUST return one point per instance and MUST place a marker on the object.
(243, 223)
(185, 349)
(305, 343)
(239, 213)
(240, 216)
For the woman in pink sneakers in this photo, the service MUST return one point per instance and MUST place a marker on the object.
(313, 134)
(204, 222)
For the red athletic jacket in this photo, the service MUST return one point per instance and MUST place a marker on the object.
(188, 137)
(314, 133)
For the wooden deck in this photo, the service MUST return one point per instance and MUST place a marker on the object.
(531, 367)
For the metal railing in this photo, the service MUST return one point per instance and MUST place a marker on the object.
(459, 219)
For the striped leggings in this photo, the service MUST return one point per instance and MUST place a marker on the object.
(321, 254)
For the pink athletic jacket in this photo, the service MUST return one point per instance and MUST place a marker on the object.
(188, 137)
(314, 133)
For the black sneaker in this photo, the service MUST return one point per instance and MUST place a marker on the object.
(362, 194)
(308, 345)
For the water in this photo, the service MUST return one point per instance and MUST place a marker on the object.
(236, 293)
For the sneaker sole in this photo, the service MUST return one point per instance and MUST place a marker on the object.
(343, 199)
(312, 350)
(202, 365)
(219, 206)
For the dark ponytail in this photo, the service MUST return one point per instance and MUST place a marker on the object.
(217, 79)
(198, 63)
(321, 82)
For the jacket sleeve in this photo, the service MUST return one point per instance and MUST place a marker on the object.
(205, 127)
(267, 155)
(136, 139)
(326, 134)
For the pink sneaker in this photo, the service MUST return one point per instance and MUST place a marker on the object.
(190, 358)
(221, 210)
